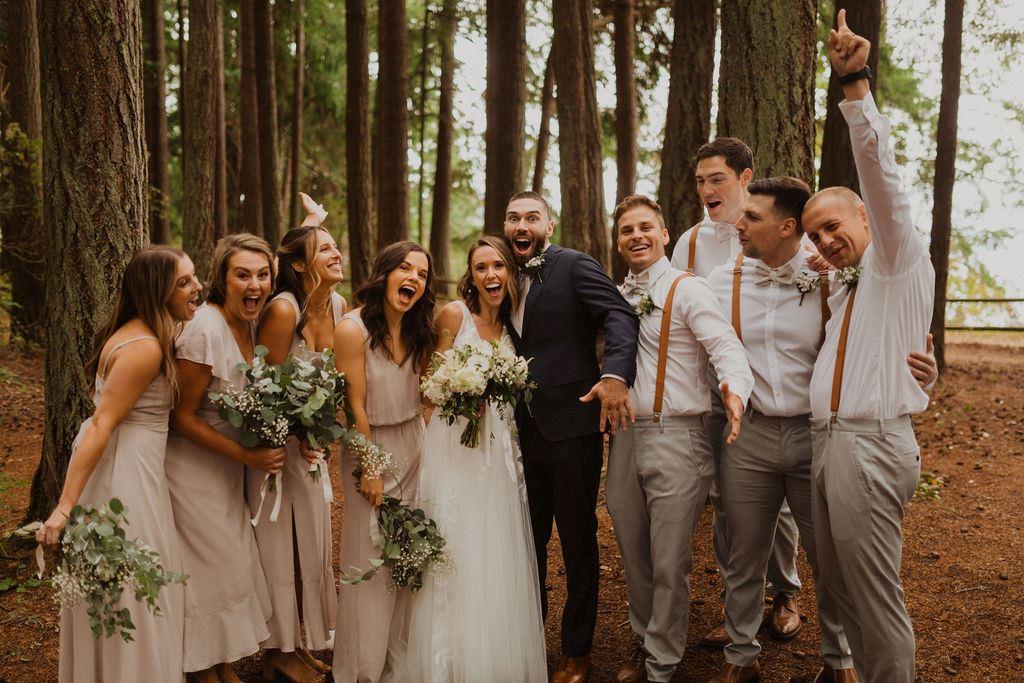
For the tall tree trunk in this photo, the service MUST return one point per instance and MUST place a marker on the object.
(252, 214)
(220, 170)
(583, 222)
(547, 110)
(182, 65)
(688, 119)
(392, 125)
(94, 175)
(156, 121)
(505, 99)
(266, 112)
(440, 228)
(625, 111)
(766, 83)
(358, 168)
(295, 207)
(23, 241)
(422, 142)
(837, 167)
(945, 167)
(199, 147)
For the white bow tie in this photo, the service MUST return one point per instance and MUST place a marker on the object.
(764, 275)
(637, 281)
(724, 231)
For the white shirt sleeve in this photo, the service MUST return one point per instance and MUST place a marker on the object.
(896, 243)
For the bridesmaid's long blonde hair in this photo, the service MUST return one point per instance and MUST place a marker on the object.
(146, 286)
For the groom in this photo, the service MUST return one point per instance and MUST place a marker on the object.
(566, 298)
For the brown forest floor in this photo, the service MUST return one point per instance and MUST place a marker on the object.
(963, 560)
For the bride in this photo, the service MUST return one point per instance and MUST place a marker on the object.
(479, 619)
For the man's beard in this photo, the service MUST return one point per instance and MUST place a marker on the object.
(538, 249)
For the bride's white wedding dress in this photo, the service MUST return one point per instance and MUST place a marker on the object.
(479, 619)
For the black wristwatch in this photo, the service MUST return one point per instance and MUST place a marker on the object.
(864, 73)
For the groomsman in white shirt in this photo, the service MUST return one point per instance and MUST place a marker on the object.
(866, 459)
(661, 467)
(778, 308)
(725, 167)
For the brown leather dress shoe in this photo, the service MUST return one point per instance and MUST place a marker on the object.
(719, 637)
(785, 619)
(633, 670)
(828, 675)
(574, 670)
(732, 673)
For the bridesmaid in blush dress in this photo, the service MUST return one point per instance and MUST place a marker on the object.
(119, 453)
(381, 347)
(295, 550)
(226, 600)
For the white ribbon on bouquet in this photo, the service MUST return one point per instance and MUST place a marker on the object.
(279, 490)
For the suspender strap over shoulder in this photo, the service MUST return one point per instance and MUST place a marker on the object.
(826, 313)
(666, 326)
(837, 375)
(692, 253)
(737, 273)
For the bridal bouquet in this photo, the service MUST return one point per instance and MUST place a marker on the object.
(409, 541)
(463, 380)
(313, 394)
(98, 564)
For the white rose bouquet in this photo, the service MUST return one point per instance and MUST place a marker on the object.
(463, 380)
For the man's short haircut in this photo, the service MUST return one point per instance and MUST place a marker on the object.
(790, 195)
(737, 155)
(633, 201)
(530, 194)
(844, 195)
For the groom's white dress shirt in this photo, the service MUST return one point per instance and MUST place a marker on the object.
(699, 329)
(893, 307)
(780, 331)
(716, 244)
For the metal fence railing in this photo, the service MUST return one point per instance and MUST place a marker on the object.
(1016, 326)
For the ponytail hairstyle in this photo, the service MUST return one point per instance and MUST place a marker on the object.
(145, 288)
(299, 245)
(418, 329)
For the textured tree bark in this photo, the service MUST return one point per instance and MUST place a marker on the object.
(440, 227)
(23, 245)
(220, 169)
(182, 66)
(583, 222)
(625, 113)
(422, 113)
(837, 168)
(94, 216)
(945, 168)
(766, 83)
(688, 119)
(505, 101)
(295, 207)
(156, 121)
(199, 147)
(393, 125)
(547, 110)
(266, 113)
(251, 209)
(358, 169)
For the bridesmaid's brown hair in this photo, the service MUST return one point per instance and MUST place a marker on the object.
(222, 253)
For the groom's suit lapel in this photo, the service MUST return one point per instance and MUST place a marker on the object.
(550, 256)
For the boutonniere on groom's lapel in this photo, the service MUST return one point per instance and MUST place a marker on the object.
(848, 275)
(533, 266)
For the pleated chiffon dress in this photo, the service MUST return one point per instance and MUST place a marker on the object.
(302, 529)
(131, 469)
(368, 613)
(227, 604)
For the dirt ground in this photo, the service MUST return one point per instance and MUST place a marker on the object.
(963, 560)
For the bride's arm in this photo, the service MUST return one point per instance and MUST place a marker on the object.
(449, 320)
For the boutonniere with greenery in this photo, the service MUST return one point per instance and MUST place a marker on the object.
(806, 282)
(643, 304)
(848, 275)
(533, 266)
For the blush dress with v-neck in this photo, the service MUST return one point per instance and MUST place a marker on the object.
(131, 469)
(370, 614)
(227, 604)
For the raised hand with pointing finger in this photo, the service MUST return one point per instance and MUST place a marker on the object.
(847, 51)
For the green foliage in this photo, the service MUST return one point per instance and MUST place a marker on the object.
(928, 486)
(20, 159)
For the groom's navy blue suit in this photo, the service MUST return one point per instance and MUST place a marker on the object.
(569, 302)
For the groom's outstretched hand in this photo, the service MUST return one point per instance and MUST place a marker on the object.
(733, 411)
(616, 410)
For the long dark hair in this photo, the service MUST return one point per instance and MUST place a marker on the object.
(418, 330)
(145, 287)
(299, 245)
(467, 290)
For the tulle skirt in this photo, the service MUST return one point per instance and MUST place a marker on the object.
(478, 618)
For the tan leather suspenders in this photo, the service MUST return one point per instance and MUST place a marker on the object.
(737, 273)
(666, 325)
(837, 374)
(694, 231)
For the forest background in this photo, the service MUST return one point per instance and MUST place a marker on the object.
(181, 120)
